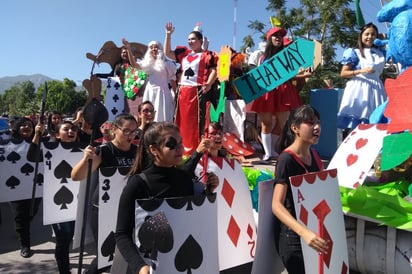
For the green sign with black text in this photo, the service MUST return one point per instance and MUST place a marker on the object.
(277, 70)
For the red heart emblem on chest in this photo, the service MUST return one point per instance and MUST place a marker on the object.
(191, 58)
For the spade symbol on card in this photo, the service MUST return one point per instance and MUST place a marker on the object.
(12, 182)
(105, 197)
(48, 155)
(189, 73)
(108, 246)
(155, 234)
(189, 201)
(189, 256)
(13, 157)
(63, 197)
(26, 169)
(63, 171)
(39, 179)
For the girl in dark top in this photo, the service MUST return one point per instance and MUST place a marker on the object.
(85, 130)
(118, 152)
(65, 132)
(54, 118)
(160, 151)
(23, 130)
(302, 129)
(145, 115)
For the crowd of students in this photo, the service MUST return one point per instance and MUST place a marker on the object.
(154, 141)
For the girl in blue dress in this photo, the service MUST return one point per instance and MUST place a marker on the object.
(364, 91)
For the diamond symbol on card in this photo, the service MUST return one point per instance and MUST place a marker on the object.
(303, 215)
(344, 268)
(327, 237)
(249, 231)
(228, 192)
(233, 231)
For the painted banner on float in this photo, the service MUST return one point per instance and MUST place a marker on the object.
(277, 70)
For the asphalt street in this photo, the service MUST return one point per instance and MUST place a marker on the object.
(43, 245)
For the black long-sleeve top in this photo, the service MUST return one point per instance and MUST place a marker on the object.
(161, 183)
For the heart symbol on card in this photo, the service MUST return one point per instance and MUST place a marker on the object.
(351, 159)
(361, 142)
(365, 126)
(191, 58)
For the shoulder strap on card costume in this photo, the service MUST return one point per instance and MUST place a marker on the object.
(144, 178)
(315, 155)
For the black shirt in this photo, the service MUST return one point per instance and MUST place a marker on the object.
(286, 167)
(162, 182)
(112, 157)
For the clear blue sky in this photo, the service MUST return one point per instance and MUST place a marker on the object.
(52, 37)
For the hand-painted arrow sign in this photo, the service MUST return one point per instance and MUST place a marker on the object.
(277, 70)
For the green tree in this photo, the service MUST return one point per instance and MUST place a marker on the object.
(23, 99)
(20, 99)
(61, 96)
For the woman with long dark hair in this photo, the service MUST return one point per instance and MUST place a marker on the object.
(301, 131)
(364, 91)
(154, 174)
(23, 131)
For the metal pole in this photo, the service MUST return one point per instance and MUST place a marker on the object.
(234, 23)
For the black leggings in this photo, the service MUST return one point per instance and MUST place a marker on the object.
(22, 219)
(290, 251)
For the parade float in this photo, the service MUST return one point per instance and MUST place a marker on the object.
(375, 201)
(373, 162)
(379, 211)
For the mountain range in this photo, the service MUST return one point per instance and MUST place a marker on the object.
(9, 81)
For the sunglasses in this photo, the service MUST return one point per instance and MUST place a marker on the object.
(172, 143)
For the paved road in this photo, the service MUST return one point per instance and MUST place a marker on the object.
(42, 244)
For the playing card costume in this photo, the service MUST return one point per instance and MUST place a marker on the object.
(162, 182)
(22, 208)
(287, 241)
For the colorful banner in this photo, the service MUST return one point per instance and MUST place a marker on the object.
(277, 70)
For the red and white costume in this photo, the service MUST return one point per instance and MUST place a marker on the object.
(190, 112)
